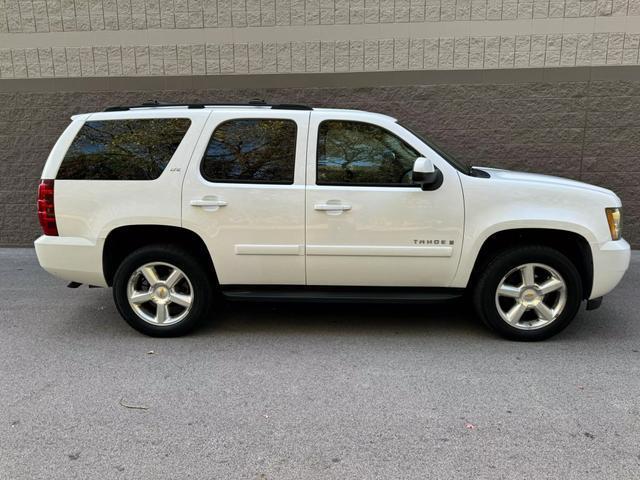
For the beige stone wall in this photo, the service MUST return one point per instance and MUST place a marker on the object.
(109, 38)
(84, 15)
(396, 54)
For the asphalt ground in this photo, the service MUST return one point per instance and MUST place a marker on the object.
(310, 392)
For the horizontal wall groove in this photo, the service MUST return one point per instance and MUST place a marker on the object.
(361, 80)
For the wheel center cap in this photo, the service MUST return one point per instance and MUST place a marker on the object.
(161, 292)
(530, 297)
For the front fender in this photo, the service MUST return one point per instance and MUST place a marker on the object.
(472, 245)
(496, 205)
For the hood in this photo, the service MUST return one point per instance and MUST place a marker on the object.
(543, 180)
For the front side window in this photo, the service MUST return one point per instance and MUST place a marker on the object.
(357, 153)
(251, 150)
(137, 149)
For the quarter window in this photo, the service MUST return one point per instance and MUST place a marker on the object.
(251, 151)
(123, 149)
(357, 153)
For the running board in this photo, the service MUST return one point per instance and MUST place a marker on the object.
(275, 293)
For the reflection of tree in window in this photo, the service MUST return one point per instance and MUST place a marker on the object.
(123, 149)
(361, 153)
(251, 150)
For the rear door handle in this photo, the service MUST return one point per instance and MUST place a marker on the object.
(203, 202)
(332, 207)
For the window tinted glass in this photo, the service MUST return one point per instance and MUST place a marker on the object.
(123, 149)
(362, 154)
(251, 151)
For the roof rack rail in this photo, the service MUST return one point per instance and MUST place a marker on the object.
(251, 103)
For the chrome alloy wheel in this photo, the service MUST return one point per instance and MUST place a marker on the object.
(160, 293)
(531, 296)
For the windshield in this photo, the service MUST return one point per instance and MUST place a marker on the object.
(447, 156)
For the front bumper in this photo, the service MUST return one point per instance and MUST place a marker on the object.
(610, 262)
(71, 258)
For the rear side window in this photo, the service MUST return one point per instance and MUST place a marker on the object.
(251, 150)
(123, 149)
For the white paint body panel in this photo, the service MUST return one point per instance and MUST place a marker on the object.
(258, 237)
(510, 200)
(374, 242)
(71, 258)
(610, 262)
(273, 234)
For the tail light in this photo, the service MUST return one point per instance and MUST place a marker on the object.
(46, 213)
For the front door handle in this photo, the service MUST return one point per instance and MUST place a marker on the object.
(332, 207)
(208, 202)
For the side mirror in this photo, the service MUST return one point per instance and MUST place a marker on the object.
(426, 174)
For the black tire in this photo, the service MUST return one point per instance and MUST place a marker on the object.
(484, 294)
(200, 285)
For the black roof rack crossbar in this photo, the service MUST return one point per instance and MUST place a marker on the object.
(252, 103)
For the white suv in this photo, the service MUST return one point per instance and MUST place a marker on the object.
(172, 205)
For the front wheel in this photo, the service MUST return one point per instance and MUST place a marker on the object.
(528, 293)
(162, 291)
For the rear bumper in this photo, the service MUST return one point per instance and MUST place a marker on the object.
(71, 258)
(610, 262)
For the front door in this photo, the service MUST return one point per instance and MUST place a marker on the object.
(366, 223)
(244, 195)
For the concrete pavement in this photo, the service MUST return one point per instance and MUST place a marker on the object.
(309, 392)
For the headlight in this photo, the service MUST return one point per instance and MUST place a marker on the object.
(614, 217)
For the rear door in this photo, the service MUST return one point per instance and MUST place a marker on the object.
(244, 195)
(367, 224)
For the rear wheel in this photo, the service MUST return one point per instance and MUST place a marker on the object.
(162, 291)
(528, 293)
